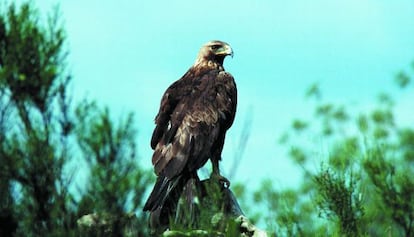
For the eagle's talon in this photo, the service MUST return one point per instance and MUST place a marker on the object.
(226, 182)
(222, 180)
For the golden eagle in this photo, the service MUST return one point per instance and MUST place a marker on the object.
(195, 113)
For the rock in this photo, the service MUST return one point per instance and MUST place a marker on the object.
(105, 224)
(212, 211)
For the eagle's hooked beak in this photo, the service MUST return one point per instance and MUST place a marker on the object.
(226, 50)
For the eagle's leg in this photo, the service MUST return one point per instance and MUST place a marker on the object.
(216, 173)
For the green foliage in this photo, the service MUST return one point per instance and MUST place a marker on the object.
(395, 186)
(292, 217)
(338, 200)
(405, 144)
(34, 120)
(116, 185)
(39, 133)
(32, 57)
(402, 79)
(365, 187)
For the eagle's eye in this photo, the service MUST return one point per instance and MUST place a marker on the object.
(215, 47)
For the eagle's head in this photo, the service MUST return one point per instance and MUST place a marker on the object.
(214, 51)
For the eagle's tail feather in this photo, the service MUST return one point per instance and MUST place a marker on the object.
(166, 192)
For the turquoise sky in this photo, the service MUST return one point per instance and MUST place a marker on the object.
(125, 54)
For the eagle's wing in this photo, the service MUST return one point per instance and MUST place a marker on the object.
(191, 129)
(226, 98)
(169, 101)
